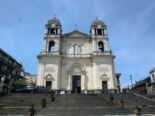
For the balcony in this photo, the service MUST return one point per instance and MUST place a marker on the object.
(49, 53)
(77, 55)
(56, 53)
(102, 53)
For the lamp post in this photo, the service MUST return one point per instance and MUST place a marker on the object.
(131, 81)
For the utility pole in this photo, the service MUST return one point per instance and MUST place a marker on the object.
(131, 81)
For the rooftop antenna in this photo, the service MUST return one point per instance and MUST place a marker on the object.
(96, 17)
(131, 81)
(55, 16)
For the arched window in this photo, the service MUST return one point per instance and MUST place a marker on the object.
(100, 46)
(51, 47)
(99, 31)
(52, 31)
(77, 49)
(70, 50)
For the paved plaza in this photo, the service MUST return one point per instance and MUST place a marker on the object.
(73, 105)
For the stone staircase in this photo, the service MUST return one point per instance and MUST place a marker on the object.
(94, 105)
(146, 106)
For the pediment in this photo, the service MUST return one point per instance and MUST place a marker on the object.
(49, 77)
(76, 33)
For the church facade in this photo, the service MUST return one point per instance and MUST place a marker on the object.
(76, 62)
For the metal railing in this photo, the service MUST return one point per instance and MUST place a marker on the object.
(75, 55)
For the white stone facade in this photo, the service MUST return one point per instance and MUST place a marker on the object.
(77, 62)
(30, 79)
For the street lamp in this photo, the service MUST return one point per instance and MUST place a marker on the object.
(131, 81)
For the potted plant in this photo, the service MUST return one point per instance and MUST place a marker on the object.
(111, 98)
(43, 102)
(137, 110)
(121, 103)
(32, 110)
(1, 105)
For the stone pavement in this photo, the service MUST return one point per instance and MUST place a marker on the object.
(94, 105)
(74, 105)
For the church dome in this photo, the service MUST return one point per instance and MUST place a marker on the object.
(98, 22)
(54, 21)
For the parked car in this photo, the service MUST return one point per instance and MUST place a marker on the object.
(33, 89)
(29, 89)
(41, 89)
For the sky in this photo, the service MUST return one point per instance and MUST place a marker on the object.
(131, 30)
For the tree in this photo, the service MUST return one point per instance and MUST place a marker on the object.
(20, 83)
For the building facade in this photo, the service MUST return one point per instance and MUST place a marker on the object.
(146, 85)
(30, 79)
(76, 62)
(141, 86)
(10, 70)
(152, 85)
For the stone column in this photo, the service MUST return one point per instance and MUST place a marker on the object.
(82, 82)
(102, 31)
(46, 31)
(69, 82)
(96, 32)
(94, 45)
(105, 31)
(58, 31)
(93, 31)
(47, 45)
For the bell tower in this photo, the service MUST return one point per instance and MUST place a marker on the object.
(99, 37)
(52, 36)
(49, 66)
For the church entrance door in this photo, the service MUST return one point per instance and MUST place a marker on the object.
(76, 84)
(48, 85)
(104, 87)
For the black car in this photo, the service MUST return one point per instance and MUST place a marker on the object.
(29, 89)
(40, 89)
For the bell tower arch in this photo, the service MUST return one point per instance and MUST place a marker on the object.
(100, 41)
(52, 38)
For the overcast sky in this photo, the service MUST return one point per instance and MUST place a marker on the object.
(131, 29)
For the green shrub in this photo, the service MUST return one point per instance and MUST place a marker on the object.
(20, 83)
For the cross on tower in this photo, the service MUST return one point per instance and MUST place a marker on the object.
(96, 17)
(54, 15)
(75, 26)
